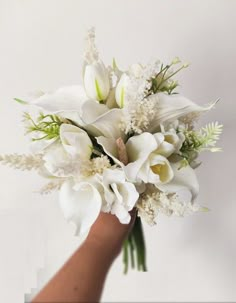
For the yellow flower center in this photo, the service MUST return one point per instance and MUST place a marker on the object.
(156, 169)
(162, 170)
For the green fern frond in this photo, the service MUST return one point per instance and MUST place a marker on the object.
(201, 140)
(210, 134)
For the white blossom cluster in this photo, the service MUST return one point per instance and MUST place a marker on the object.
(154, 202)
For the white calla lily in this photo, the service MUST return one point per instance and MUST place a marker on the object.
(110, 147)
(96, 81)
(81, 204)
(100, 121)
(91, 111)
(121, 90)
(171, 107)
(68, 98)
(76, 141)
(184, 183)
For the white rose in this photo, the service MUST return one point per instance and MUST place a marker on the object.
(118, 195)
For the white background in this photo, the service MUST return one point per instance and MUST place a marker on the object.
(41, 46)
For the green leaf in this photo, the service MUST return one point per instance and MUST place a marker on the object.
(20, 101)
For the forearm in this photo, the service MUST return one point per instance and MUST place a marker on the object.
(81, 279)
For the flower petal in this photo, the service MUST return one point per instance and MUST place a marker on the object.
(39, 145)
(106, 124)
(160, 167)
(68, 98)
(138, 149)
(57, 161)
(124, 193)
(75, 141)
(91, 110)
(80, 204)
(110, 148)
(171, 107)
(96, 80)
(185, 180)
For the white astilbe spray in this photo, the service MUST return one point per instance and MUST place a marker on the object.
(22, 162)
(94, 166)
(138, 116)
(52, 186)
(153, 202)
(99, 164)
(138, 111)
(91, 53)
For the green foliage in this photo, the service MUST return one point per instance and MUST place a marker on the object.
(21, 101)
(201, 140)
(163, 81)
(46, 126)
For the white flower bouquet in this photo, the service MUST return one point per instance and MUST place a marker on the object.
(122, 140)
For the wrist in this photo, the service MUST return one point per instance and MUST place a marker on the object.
(110, 249)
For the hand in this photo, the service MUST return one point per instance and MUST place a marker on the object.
(108, 233)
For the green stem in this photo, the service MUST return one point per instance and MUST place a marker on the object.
(135, 243)
(125, 256)
(131, 246)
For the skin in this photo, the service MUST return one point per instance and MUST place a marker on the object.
(82, 277)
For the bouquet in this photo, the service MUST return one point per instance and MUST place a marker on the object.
(122, 140)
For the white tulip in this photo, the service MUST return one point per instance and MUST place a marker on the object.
(168, 142)
(57, 161)
(184, 183)
(121, 90)
(145, 163)
(63, 158)
(96, 81)
(76, 141)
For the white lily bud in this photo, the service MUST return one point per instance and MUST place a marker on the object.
(121, 90)
(96, 81)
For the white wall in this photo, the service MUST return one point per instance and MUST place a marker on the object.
(41, 45)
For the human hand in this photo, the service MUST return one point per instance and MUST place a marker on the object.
(109, 234)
